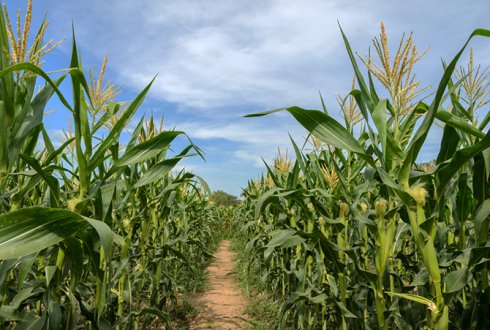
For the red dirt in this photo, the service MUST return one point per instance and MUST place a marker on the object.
(221, 306)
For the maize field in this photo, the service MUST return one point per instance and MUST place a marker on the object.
(354, 233)
(92, 233)
(100, 231)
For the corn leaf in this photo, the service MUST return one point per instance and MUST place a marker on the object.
(457, 280)
(419, 138)
(157, 171)
(148, 149)
(419, 299)
(460, 157)
(117, 129)
(481, 221)
(456, 122)
(30, 230)
(325, 128)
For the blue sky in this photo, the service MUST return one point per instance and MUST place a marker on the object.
(219, 60)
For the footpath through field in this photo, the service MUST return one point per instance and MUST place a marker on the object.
(221, 306)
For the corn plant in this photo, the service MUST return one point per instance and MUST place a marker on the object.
(356, 234)
(93, 233)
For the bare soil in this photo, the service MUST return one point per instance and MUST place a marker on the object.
(221, 306)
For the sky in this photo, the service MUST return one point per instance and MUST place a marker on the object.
(216, 61)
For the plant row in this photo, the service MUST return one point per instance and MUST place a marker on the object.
(354, 233)
(94, 233)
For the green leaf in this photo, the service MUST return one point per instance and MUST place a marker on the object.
(485, 121)
(157, 312)
(481, 187)
(325, 128)
(360, 80)
(297, 297)
(54, 312)
(279, 237)
(422, 278)
(157, 172)
(25, 126)
(202, 182)
(449, 144)
(283, 239)
(446, 171)
(486, 160)
(106, 194)
(421, 300)
(10, 313)
(265, 199)
(29, 67)
(481, 221)
(24, 269)
(463, 200)
(49, 272)
(117, 129)
(30, 230)
(419, 138)
(388, 181)
(477, 254)
(456, 122)
(105, 234)
(21, 296)
(457, 280)
(31, 322)
(50, 180)
(379, 119)
(148, 149)
(345, 312)
(329, 249)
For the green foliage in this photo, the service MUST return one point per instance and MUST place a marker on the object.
(224, 199)
(263, 305)
(92, 237)
(356, 235)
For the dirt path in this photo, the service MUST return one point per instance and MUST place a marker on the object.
(221, 306)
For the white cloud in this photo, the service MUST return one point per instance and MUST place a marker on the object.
(218, 60)
(210, 55)
(249, 157)
(248, 131)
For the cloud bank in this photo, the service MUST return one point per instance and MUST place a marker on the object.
(216, 61)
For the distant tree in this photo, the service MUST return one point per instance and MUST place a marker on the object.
(222, 198)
